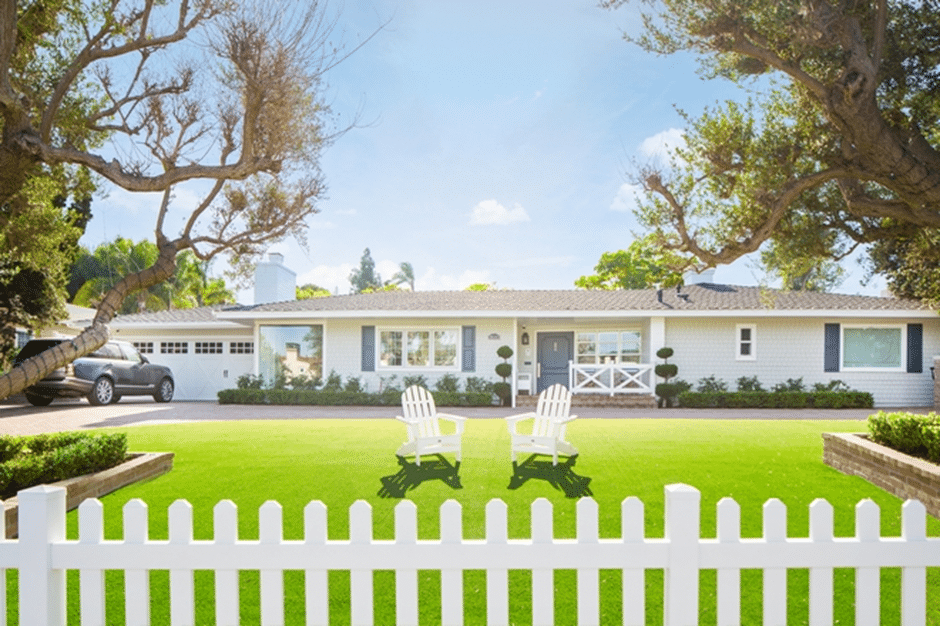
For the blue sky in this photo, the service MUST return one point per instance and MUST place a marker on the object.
(493, 145)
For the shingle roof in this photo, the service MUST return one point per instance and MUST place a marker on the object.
(703, 297)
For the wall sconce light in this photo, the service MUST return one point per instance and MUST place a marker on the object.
(494, 336)
(525, 339)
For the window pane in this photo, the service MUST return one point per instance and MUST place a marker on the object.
(419, 348)
(872, 347)
(745, 349)
(630, 347)
(745, 334)
(391, 348)
(445, 348)
(587, 349)
(289, 351)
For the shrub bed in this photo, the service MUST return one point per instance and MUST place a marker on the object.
(910, 433)
(345, 398)
(776, 399)
(29, 461)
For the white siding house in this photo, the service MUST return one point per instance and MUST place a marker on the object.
(594, 341)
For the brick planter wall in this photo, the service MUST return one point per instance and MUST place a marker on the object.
(904, 476)
(138, 467)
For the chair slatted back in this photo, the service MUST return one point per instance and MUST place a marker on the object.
(554, 404)
(417, 403)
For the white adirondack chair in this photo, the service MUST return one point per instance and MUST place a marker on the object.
(423, 423)
(551, 417)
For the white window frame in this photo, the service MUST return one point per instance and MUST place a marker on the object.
(738, 342)
(597, 332)
(902, 361)
(405, 367)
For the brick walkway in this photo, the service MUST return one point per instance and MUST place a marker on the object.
(19, 418)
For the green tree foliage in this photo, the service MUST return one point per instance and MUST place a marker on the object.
(365, 278)
(911, 265)
(95, 274)
(838, 139)
(640, 266)
(39, 232)
(311, 291)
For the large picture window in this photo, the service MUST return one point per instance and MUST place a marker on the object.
(875, 347)
(289, 351)
(609, 346)
(419, 348)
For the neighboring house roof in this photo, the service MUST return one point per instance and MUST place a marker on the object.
(701, 299)
(204, 316)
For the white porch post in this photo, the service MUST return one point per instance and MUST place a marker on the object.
(657, 336)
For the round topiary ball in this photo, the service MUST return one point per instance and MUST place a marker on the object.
(504, 369)
(664, 353)
(504, 352)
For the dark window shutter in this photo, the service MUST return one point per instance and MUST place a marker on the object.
(368, 348)
(915, 348)
(831, 350)
(469, 341)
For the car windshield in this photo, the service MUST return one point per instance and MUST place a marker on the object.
(34, 347)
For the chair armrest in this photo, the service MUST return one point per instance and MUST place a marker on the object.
(405, 420)
(565, 420)
(456, 419)
(513, 420)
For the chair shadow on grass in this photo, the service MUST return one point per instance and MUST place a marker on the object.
(411, 475)
(561, 476)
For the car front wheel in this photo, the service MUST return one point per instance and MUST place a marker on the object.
(164, 392)
(37, 400)
(103, 392)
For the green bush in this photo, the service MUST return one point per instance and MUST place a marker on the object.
(711, 384)
(50, 458)
(448, 383)
(417, 379)
(477, 384)
(749, 383)
(776, 400)
(910, 433)
(791, 384)
(324, 397)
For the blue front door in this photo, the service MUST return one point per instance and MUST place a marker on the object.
(555, 350)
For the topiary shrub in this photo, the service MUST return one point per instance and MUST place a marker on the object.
(504, 371)
(667, 392)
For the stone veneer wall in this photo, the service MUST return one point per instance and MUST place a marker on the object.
(140, 466)
(904, 476)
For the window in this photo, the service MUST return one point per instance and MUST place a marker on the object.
(174, 347)
(419, 348)
(609, 346)
(144, 347)
(241, 347)
(746, 340)
(873, 347)
(208, 347)
(289, 351)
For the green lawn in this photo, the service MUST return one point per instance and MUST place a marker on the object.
(339, 462)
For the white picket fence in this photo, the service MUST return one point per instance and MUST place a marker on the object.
(42, 555)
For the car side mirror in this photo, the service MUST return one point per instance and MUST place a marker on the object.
(144, 359)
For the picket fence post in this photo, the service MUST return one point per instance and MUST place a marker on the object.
(683, 534)
(41, 523)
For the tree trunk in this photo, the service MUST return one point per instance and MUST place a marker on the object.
(32, 370)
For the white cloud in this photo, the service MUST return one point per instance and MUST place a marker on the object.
(334, 278)
(658, 146)
(625, 200)
(491, 212)
(431, 280)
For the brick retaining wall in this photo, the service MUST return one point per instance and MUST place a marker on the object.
(904, 476)
(138, 467)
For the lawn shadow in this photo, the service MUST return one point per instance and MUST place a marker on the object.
(560, 476)
(411, 475)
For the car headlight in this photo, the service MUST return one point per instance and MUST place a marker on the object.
(70, 370)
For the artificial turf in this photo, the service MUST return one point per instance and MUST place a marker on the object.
(341, 461)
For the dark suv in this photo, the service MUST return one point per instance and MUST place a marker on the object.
(115, 369)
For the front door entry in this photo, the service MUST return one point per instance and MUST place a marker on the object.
(555, 350)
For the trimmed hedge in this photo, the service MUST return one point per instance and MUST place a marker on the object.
(345, 398)
(776, 400)
(910, 433)
(29, 461)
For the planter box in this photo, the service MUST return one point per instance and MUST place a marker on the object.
(904, 476)
(137, 467)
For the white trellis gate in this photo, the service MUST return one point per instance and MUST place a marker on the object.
(43, 555)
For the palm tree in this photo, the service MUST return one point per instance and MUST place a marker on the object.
(404, 275)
